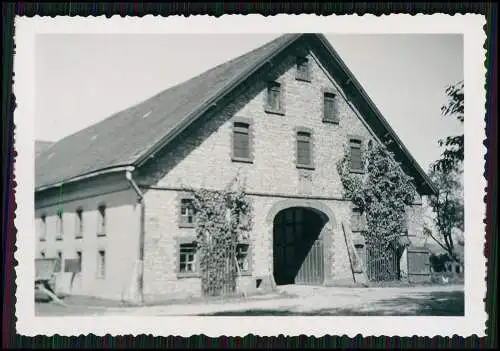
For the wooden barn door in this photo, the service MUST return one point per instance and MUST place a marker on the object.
(298, 247)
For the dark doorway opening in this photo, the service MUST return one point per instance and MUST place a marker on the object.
(298, 256)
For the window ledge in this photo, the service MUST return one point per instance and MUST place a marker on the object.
(309, 167)
(43, 239)
(331, 121)
(307, 80)
(59, 237)
(242, 159)
(357, 171)
(274, 112)
(101, 234)
(79, 236)
(186, 225)
(244, 274)
(188, 275)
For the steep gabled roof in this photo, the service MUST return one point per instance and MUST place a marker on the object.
(128, 137)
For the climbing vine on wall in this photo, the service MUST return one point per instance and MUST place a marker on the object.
(382, 192)
(223, 219)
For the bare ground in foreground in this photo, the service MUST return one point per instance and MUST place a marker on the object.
(289, 300)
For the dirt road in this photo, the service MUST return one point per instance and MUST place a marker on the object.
(307, 300)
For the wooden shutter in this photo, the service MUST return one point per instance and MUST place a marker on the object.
(304, 148)
(241, 140)
(330, 112)
(356, 156)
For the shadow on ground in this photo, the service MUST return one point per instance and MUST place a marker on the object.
(430, 304)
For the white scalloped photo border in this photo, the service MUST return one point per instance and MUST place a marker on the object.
(474, 320)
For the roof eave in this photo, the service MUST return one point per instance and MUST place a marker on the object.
(206, 106)
(86, 176)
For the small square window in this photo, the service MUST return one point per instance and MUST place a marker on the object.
(187, 258)
(303, 69)
(101, 264)
(187, 213)
(101, 229)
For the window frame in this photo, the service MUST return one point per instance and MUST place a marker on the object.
(330, 95)
(182, 223)
(43, 228)
(59, 225)
(186, 240)
(309, 132)
(101, 265)
(59, 258)
(356, 140)
(249, 129)
(299, 75)
(358, 220)
(79, 223)
(281, 100)
(248, 256)
(102, 220)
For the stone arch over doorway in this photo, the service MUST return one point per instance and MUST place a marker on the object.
(301, 241)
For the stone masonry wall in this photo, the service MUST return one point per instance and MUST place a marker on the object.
(201, 157)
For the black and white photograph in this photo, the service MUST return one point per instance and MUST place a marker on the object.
(286, 173)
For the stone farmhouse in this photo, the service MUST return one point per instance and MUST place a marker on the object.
(111, 202)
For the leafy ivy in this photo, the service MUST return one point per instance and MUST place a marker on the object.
(382, 192)
(223, 219)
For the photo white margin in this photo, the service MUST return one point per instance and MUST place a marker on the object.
(474, 321)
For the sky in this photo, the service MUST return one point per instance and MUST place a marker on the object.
(80, 79)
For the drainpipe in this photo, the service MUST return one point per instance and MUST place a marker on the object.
(140, 275)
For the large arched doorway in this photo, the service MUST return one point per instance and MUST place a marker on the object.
(298, 256)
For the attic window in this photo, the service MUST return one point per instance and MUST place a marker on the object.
(274, 98)
(303, 72)
(356, 157)
(330, 113)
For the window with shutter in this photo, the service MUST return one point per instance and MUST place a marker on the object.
(241, 140)
(302, 69)
(329, 109)
(304, 149)
(356, 158)
(274, 103)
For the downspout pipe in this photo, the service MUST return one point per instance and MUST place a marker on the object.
(140, 275)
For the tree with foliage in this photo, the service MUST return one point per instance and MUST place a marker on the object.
(382, 193)
(448, 208)
(454, 145)
(223, 219)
